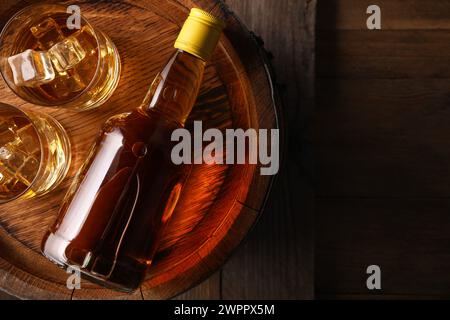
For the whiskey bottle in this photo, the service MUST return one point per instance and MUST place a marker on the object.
(115, 212)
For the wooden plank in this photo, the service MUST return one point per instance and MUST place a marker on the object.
(386, 43)
(395, 15)
(382, 138)
(383, 55)
(277, 259)
(270, 264)
(5, 296)
(351, 67)
(21, 269)
(407, 238)
(91, 291)
(208, 289)
(381, 296)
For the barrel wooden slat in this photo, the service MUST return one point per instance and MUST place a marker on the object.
(220, 202)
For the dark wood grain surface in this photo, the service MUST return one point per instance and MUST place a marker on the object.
(382, 149)
(277, 260)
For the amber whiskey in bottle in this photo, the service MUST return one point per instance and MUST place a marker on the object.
(115, 212)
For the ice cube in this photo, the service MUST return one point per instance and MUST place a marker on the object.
(48, 33)
(66, 54)
(17, 169)
(66, 83)
(5, 154)
(31, 68)
(7, 132)
(6, 137)
(19, 157)
(7, 180)
(28, 141)
(86, 40)
(12, 158)
(29, 170)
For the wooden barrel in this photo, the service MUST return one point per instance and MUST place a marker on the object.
(220, 202)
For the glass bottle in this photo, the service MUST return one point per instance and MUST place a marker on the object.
(114, 213)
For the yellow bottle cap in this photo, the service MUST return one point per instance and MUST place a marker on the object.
(200, 34)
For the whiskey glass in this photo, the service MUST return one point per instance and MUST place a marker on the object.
(34, 153)
(47, 60)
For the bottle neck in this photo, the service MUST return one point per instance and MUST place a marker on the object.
(175, 89)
